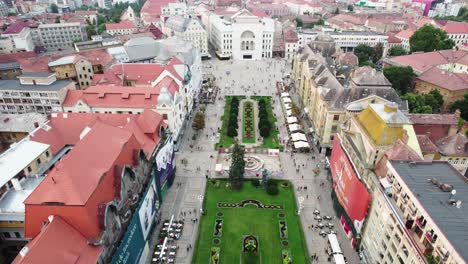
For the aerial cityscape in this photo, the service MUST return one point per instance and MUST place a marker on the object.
(234, 131)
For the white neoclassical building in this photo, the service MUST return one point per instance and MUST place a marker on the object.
(243, 36)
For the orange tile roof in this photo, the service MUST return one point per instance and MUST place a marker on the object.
(59, 242)
(454, 27)
(448, 80)
(76, 177)
(424, 61)
(122, 25)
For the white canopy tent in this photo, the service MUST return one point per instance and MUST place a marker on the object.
(301, 144)
(287, 106)
(286, 100)
(339, 259)
(285, 94)
(334, 244)
(292, 120)
(294, 127)
(288, 112)
(298, 137)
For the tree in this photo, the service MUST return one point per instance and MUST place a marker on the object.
(434, 99)
(416, 103)
(57, 20)
(337, 11)
(364, 53)
(350, 8)
(91, 30)
(198, 121)
(400, 77)
(236, 171)
(295, 110)
(428, 38)
(461, 105)
(377, 52)
(54, 8)
(397, 51)
(299, 22)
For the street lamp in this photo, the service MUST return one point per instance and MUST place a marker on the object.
(200, 198)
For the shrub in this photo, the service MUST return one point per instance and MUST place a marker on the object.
(271, 182)
(232, 131)
(264, 131)
(255, 183)
(272, 189)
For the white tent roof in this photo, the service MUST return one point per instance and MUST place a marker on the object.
(301, 144)
(298, 137)
(294, 127)
(335, 245)
(284, 94)
(286, 99)
(292, 120)
(219, 167)
(339, 259)
(288, 112)
(287, 106)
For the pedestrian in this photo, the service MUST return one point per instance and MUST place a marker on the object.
(307, 196)
(302, 176)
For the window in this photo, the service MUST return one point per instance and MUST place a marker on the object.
(17, 235)
(38, 162)
(336, 117)
(47, 153)
(29, 169)
(6, 235)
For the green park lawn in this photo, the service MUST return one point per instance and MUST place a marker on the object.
(249, 220)
(272, 141)
(226, 141)
(248, 123)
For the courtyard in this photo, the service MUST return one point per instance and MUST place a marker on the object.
(232, 216)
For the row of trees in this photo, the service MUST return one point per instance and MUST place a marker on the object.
(264, 124)
(233, 115)
(236, 171)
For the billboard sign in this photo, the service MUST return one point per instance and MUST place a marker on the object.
(350, 191)
(165, 161)
(132, 246)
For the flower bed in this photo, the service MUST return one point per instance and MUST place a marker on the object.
(283, 229)
(248, 123)
(218, 228)
(286, 254)
(214, 256)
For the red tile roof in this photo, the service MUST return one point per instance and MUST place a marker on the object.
(405, 34)
(448, 80)
(98, 56)
(426, 145)
(433, 119)
(59, 242)
(454, 146)
(142, 74)
(424, 61)
(122, 25)
(74, 179)
(454, 27)
(15, 56)
(15, 28)
(35, 64)
(153, 7)
(393, 39)
(399, 151)
(86, 12)
(114, 96)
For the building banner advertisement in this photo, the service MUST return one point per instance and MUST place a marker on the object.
(165, 161)
(350, 191)
(132, 246)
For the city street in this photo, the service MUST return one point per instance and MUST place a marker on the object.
(249, 78)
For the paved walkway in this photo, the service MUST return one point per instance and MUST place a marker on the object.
(248, 78)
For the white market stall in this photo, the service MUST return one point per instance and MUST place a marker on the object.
(339, 259)
(289, 113)
(285, 94)
(292, 120)
(287, 106)
(298, 137)
(301, 145)
(286, 100)
(294, 128)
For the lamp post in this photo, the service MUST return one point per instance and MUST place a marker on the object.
(200, 198)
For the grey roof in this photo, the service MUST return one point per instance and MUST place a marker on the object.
(20, 122)
(177, 23)
(368, 76)
(36, 74)
(9, 65)
(6, 85)
(341, 98)
(451, 220)
(358, 33)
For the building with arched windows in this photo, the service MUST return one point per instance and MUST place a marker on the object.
(242, 36)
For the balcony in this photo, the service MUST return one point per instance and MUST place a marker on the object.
(420, 224)
(430, 238)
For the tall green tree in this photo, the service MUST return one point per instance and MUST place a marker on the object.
(397, 51)
(299, 22)
(54, 8)
(416, 103)
(350, 8)
(364, 53)
(400, 77)
(236, 171)
(461, 105)
(198, 121)
(428, 38)
(377, 52)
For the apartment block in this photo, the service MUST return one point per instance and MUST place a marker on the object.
(33, 92)
(61, 35)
